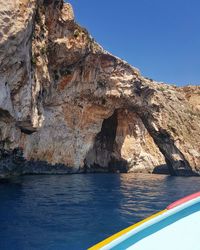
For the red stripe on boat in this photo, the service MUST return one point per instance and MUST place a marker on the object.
(183, 200)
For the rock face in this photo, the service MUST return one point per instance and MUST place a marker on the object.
(68, 103)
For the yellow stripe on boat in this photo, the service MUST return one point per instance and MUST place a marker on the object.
(126, 230)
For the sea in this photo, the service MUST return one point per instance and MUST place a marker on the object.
(73, 212)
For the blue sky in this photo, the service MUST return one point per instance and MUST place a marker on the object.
(160, 37)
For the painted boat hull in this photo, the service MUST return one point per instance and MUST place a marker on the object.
(176, 228)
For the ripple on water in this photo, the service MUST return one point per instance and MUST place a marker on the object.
(76, 211)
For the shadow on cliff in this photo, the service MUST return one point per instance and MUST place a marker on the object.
(100, 156)
(161, 169)
(165, 169)
(106, 153)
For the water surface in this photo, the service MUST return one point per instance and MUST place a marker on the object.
(76, 211)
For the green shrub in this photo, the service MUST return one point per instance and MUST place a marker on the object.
(76, 33)
(43, 50)
(161, 89)
(33, 60)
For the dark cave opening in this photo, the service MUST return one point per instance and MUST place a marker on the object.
(106, 136)
(101, 157)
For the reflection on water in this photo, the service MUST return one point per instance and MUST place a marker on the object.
(76, 211)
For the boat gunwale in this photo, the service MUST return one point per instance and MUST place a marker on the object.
(122, 235)
(183, 200)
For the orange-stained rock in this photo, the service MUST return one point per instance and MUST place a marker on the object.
(65, 100)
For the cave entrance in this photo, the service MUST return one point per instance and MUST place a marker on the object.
(106, 137)
(101, 156)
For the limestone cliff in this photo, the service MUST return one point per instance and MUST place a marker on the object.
(67, 105)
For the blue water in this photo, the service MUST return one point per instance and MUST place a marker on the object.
(76, 211)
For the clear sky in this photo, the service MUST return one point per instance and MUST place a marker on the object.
(160, 37)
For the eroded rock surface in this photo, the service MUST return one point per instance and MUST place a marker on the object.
(69, 104)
